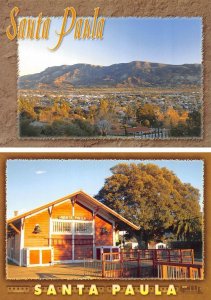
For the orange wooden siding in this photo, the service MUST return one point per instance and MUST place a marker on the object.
(83, 247)
(40, 239)
(62, 245)
(103, 239)
(64, 209)
(82, 212)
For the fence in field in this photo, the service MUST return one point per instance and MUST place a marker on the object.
(153, 263)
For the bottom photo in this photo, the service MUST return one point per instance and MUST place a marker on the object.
(104, 218)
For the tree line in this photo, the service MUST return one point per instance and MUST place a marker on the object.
(59, 118)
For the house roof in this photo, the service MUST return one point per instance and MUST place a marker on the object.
(92, 200)
(132, 130)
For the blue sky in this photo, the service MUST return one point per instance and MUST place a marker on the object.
(163, 40)
(31, 183)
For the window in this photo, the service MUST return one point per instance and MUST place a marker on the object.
(85, 228)
(66, 227)
(62, 226)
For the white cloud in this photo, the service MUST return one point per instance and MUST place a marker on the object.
(39, 172)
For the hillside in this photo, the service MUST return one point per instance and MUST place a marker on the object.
(133, 74)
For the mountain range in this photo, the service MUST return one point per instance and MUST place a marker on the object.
(133, 74)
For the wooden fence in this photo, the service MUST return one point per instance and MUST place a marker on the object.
(132, 264)
(179, 271)
(151, 263)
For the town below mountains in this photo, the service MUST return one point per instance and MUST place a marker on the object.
(122, 75)
(139, 99)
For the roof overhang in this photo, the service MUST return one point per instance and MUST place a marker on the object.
(92, 203)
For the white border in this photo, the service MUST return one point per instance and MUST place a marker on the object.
(106, 150)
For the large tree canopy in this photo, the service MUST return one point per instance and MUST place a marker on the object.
(151, 197)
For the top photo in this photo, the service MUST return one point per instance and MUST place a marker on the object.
(137, 78)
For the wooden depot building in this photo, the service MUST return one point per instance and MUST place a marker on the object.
(70, 229)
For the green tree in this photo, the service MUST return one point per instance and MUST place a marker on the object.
(153, 198)
(76, 128)
(188, 229)
(180, 130)
(26, 129)
(194, 123)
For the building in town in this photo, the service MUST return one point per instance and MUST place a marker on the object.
(70, 229)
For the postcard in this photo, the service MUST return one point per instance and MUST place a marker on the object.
(134, 228)
(139, 78)
(118, 78)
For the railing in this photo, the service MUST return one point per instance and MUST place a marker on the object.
(61, 226)
(84, 227)
(68, 226)
(151, 263)
(92, 268)
(174, 255)
(132, 264)
(171, 255)
(107, 249)
(179, 271)
(114, 265)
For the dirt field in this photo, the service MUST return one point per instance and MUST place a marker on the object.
(73, 271)
(61, 271)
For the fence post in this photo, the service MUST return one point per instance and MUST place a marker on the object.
(169, 255)
(164, 272)
(154, 261)
(121, 264)
(192, 256)
(200, 273)
(154, 255)
(189, 273)
(181, 253)
(139, 265)
(103, 265)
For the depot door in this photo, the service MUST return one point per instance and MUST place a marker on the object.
(83, 247)
(62, 248)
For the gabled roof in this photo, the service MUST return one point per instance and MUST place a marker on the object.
(92, 201)
(132, 130)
